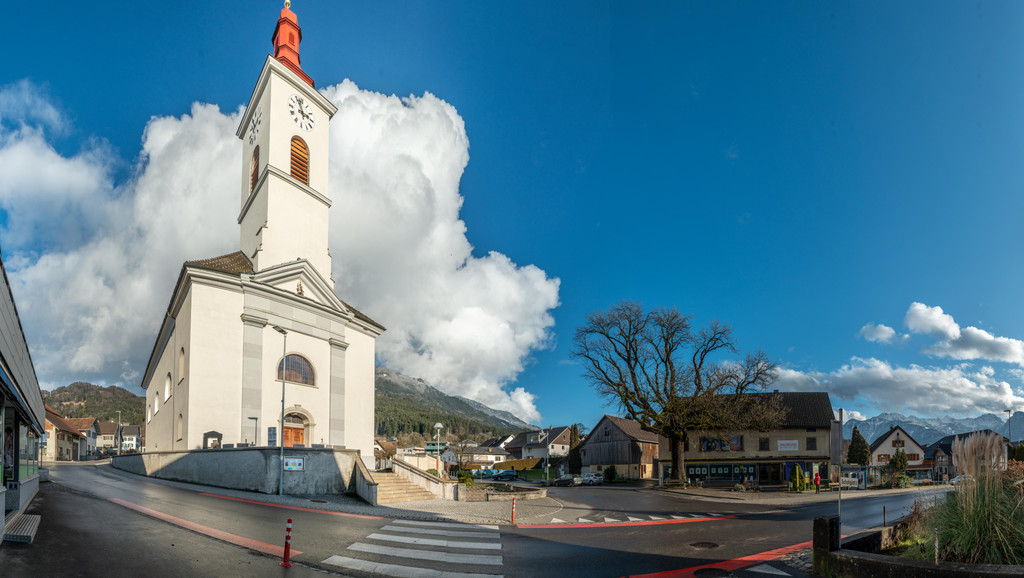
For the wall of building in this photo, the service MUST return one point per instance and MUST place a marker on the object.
(751, 446)
(327, 471)
(215, 368)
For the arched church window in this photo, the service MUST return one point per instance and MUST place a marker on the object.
(156, 404)
(254, 169)
(181, 365)
(299, 370)
(300, 160)
(167, 386)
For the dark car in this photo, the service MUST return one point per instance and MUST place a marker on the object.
(568, 480)
(506, 475)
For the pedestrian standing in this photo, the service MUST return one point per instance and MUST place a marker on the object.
(817, 483)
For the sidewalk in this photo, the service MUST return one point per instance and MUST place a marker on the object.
(725, 495)
(428, 510)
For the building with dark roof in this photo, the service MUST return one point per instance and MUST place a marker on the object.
(883, 448)
(938, 456)
(620, 443)
(63, 440)
(808, 436)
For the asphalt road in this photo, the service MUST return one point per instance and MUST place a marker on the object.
(89, 529)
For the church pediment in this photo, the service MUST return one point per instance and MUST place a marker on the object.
(301, 279)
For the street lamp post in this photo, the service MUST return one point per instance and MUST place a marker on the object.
(839, 513)
(437, 448)
(1009, 426)
(284, 378)
(256, 428)
(118, 440)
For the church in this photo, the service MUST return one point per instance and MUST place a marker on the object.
(242, 326)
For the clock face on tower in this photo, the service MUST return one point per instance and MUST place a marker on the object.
(301, 113)
(254, 124)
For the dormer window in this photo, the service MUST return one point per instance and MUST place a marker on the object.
(300, 160)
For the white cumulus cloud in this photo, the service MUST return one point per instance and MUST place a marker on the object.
(877, 333)
(93, 262)
(961, 343)
(956, 390)
(923, 319)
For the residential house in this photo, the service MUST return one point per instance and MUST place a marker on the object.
(622, 443)
(110, 437)
(883, 448)
(515, 446)
(548, 444)
(131, 438)
(939, 455)
(62, 438)
(89, 427)
(804, 437)
(474, 456)
(498, 442)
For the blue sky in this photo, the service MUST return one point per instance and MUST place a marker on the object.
(798, 170)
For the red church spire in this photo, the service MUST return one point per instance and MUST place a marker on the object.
(287, 36)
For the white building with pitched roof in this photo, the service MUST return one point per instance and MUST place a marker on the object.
(214, 377)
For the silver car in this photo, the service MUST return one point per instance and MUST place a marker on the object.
(592, 479)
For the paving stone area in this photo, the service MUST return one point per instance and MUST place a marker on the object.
(800, 560)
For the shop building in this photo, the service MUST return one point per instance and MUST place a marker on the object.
(807, 436)
(22, 417)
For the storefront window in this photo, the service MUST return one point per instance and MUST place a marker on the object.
(28, 453)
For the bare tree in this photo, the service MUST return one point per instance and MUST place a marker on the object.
(670, 379)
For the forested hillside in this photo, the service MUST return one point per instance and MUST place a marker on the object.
(81, 399)
(407, 405)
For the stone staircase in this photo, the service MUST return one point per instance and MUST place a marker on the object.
(392, 489)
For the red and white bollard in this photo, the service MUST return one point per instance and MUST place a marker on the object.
(513, 510)
(287, 562)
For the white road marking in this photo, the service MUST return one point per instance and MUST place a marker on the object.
(632, 519)
(435, 555)
(452, 525)
(557, 521)
(675, 517)
(438, 543)
(656, 518)
(714, 515)
(436, 532)
(585, 521)
(612, 521)
(766, 569)
(398, 571)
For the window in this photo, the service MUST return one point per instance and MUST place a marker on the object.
(156, 404)
(149, 413)
(181, 365)
(898, 443)
(883, 458)
(254, 168)
(762, 444)
(167, 386)
(299, 370)
(181, 426)
(913, 457)
(300, 160)
(812, 443)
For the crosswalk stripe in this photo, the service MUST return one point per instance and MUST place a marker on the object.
(557, 521)
(452, 525)
(438, 543)
(766, 569)
(675, 517)
(632, 519)
(611, 521)
(714, 515)
(397, 570)
(656, 518)
(434, 555)
(585, 521)
(436, 532)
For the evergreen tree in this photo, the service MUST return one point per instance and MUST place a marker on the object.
(859, 452)
(575, 461)
(897, 464)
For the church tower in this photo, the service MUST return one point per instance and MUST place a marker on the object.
(285, 136)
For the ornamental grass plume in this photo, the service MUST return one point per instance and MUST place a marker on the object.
(982, 520)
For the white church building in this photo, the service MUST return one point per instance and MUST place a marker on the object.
(215, 374)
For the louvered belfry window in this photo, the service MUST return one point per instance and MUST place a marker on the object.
(254, 170)
(300, 160)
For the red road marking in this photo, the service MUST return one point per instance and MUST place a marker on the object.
(276, 551)
(299, 508)
(616, 524)
(729, 565)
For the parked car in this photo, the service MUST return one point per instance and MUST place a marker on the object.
(568, 480)
(506, 475)
(961, 480)
(591, 479)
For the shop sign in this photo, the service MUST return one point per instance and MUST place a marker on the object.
(789, 445)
